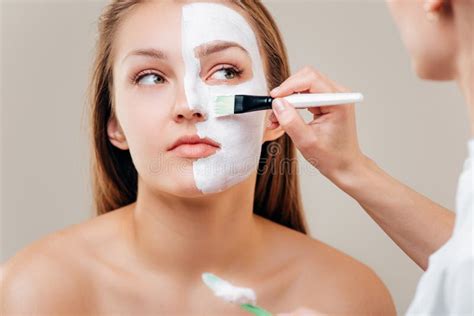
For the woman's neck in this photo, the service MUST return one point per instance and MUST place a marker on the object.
(187, 236)
(466, 83)
(465, 58)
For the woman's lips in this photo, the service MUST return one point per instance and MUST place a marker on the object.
(199, 150)
(192, 146)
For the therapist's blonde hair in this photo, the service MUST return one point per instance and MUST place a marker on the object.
(114, 177)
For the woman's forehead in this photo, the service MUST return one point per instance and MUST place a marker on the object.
(167, 24)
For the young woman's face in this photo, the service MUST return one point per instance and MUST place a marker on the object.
(170, 60)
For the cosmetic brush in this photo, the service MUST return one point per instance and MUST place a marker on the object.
(237, 104)
(244, 297)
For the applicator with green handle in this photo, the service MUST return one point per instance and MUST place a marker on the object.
(244, 297)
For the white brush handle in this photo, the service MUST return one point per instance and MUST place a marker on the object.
(304, 100)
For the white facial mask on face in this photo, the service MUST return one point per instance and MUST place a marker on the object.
(240, 135)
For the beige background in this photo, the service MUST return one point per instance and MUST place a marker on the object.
(415, 130)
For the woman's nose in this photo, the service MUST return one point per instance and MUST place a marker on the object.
(185, 113)
(188, 110)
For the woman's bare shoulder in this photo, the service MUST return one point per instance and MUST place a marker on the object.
(327, 279)
(43, 278)
(51, 275)
(349, 285)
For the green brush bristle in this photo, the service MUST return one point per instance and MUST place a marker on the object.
(224, 105)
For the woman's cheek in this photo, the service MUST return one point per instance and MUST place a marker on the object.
(144, 118)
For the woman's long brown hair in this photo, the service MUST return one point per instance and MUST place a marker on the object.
(114, 177)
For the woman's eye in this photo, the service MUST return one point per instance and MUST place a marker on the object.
(149, 79)
(226, 73)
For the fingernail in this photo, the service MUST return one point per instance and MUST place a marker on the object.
(278, 105)
(275, 91)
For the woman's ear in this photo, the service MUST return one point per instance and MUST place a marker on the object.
(115, 133)
(273, 130)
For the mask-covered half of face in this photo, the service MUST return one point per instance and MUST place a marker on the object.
(240, 135)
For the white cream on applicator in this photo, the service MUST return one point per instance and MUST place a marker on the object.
(229, 292)
(244, 297)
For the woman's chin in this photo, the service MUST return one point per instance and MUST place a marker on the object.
(188, 192)
(182, 183)
(181, 186)
(186, 188)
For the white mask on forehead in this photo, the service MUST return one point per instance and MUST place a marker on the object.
(240, 135)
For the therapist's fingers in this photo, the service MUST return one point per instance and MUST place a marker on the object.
(292, 122)
(309, 80)
(329, 142)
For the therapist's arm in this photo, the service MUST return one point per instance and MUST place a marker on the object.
(416, 224)
(329, 142)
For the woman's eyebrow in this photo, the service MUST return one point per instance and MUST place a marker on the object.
(214, 47)
(201, 51)
(146, 52)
